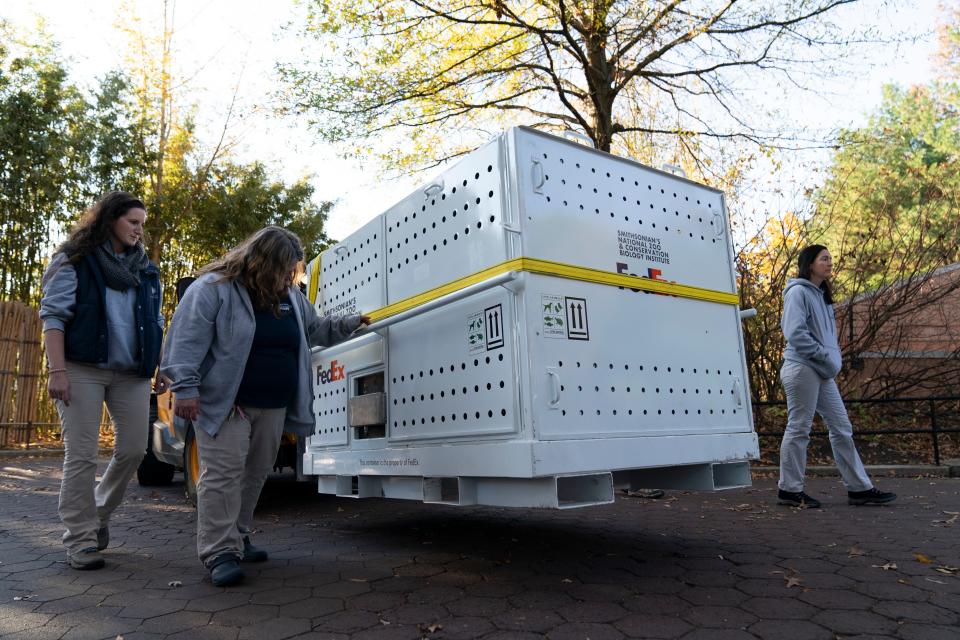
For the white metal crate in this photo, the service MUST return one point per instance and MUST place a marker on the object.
(513, 368)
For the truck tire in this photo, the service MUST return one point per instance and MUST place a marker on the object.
(153, 472)
(191, 465)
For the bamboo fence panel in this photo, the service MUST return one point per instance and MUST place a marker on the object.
(27, 414)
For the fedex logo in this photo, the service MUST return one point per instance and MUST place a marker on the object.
(334, 373)
(652, 274)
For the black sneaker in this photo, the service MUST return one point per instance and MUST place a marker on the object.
(86, 559)
(225, 570)
(870, 496)
(797, 499)
(252, 553)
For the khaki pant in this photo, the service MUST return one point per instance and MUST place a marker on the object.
(233, 467)
(808, 393)
(85, 507)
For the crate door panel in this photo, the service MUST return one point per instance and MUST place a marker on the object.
(452, 371)
(596, 210)
(613, 362)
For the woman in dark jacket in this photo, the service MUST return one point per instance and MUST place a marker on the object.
(102, 331)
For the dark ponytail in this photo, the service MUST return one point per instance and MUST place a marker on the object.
(807, 257)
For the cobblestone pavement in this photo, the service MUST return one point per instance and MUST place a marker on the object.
(692, 565)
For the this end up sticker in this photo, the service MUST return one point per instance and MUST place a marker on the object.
(577, 326)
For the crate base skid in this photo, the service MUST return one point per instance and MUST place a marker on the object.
(460, 474)
(549, 492)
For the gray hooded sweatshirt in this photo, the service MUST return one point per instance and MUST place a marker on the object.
(209, 340)
(810, 328)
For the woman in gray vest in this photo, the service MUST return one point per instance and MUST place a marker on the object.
(811, 361)
(238, 358)
(102, 331)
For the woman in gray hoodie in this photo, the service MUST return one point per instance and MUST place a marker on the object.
(811, 361)
(238, 359)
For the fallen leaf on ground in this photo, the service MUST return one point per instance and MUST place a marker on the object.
(793, 581)
(937, 581)
(384, 622)
(922, 558)
(430, 628)
(174, 583)
(358, 580)
(567, 580)
(890, 566)
(950, 571)
(855, 551)
(18, 598)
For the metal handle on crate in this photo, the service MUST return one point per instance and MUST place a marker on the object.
(581, 138)
(341, 249)
(537, 176)
(718, 223)
(433, 189)
(442, 301)
(554, 376)
(675, 169)
(747, 313)
(737, 392)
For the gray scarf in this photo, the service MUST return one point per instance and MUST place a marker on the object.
(123, 271)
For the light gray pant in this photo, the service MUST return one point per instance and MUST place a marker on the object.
(808, 392)
(83, 507)
(233, 467)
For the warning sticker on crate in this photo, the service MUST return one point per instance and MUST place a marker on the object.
(493, 325)
(554, 318)
(577, 327)
(476, 333)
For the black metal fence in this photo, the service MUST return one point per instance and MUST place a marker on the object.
(900, 417)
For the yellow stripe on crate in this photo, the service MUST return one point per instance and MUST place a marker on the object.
(559, 270)
(314, 281)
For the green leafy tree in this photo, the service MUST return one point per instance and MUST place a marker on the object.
(44, 156)
(889, 206)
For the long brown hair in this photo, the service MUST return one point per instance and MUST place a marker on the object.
(93, 228)
(262, 263)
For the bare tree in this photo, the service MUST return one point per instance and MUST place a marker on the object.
(431, 68)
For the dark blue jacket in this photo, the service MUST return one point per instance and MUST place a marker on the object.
(86, 337)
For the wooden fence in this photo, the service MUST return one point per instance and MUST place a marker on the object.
(26, 413)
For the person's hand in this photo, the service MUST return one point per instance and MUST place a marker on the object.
(160, 384)
(58, 386)
(186, 408)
